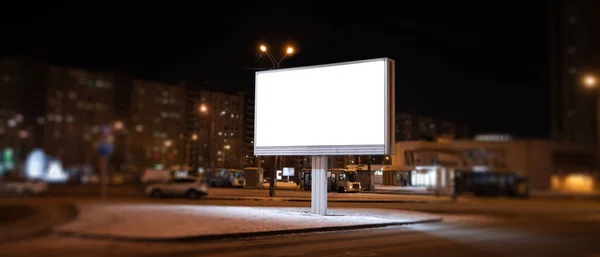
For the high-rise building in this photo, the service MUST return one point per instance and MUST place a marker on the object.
(193, 122)
(573, 53)
(22, 90)
(248, 136)
(221, 129)
(158, 124)
(78, 104)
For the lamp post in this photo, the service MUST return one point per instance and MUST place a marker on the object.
(591, 81)
(276, 65)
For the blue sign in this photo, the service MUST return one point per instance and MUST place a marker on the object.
(106, 149)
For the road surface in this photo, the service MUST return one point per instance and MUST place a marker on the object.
(462, 235)
(487, 227)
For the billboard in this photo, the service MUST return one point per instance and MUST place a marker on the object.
(288, 171)
(335, 109)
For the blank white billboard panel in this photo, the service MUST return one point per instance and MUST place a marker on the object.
(336, 109)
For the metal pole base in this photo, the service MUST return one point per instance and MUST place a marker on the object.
(318, 202)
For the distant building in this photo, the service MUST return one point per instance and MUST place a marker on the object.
(22, 91)
(157, 124)
(248, 137)
(411, 126)
(193, 125)
(221, 129)
(573, 53)
(78, 103)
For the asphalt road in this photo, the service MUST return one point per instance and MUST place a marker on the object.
(13, 212)
(488, 227)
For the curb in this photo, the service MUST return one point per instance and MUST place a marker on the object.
(330, 201)
(44, 222)
(242, 235)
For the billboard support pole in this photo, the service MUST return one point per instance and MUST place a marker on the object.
(318, 201)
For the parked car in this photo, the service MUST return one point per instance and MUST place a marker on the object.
(192, 188)
(23, 187)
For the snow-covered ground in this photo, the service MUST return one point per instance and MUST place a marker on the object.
(169, 221)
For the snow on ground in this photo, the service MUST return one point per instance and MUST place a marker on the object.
(167, 221)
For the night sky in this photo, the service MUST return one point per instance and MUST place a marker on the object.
(481, 63)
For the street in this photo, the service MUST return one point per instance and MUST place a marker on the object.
(491, 227)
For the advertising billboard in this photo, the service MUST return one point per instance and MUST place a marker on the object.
(288, 171)
(334, 109)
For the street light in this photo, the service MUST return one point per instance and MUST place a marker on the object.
(203, 108)
(590, 81)
(118, 125)
(274, 62)
(276, 65)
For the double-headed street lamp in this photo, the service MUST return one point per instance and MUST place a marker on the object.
(276, 65)
(274, 62)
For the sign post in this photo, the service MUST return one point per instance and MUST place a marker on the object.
(105, 149)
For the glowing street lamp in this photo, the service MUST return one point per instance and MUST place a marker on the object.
(203, 108)
(118, 125)
(276, 64)
(590, 81)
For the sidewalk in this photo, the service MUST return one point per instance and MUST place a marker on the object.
(155, 222)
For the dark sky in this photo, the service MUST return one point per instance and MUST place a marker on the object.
(481, 62)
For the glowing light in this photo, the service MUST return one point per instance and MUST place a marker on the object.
(34, 165)
(203, 108)
(23, 133)
(139, 128)
(263, 48)
(290, 50)
(589, 81)
(55, 172)
(19, 117)
(194, 137)
(118, 125)
(12, 123)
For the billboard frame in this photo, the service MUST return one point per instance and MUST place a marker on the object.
(332, 150)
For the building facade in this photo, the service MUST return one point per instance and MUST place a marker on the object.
(248, 137)
(412, 126)
(573, 54)
(158, 125)
(78, 104)
(220, 132)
